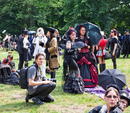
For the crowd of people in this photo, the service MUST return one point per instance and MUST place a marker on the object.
(80, 62)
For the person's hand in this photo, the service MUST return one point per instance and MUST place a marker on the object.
(88, 47)
(113, 54)
(68, 45)
(46, 82)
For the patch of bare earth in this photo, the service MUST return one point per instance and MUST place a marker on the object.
(69, 109)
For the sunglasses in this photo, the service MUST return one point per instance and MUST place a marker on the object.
(110, 96)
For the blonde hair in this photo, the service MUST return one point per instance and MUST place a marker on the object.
(112, 89)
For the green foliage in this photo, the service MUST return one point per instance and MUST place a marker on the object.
(16, 15)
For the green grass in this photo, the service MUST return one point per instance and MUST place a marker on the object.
(12, 97)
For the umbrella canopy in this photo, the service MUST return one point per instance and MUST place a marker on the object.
(31, 32)
(78, 44)
(93, 32)
(112, 76)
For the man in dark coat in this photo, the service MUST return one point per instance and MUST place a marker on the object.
(21, 50)
(126, 46)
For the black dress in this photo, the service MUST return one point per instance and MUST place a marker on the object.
(73, 81)
(111, 44)
(87, 65)
(126, 46)
(8, 77)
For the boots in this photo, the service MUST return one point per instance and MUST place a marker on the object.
(53, 76)
(102, 67)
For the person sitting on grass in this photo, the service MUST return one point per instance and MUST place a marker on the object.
(6, 75)
(111, 98)
(11, 63)
(124, 100)
(39, 88)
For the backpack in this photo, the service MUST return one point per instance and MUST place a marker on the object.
(23, 82)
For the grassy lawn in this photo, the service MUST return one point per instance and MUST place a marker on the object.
(12, 97)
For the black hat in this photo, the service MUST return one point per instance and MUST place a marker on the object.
(125, 95)
(114, 86)
(25, 32)
(50, 29)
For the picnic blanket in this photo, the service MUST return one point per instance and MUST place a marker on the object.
(99, 91)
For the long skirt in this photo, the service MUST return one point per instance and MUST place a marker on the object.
(88, 72)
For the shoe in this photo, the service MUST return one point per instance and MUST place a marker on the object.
(49, 98)
(37, 101)
(27, 98)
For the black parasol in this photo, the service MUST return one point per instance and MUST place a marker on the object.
(93, 32)
(112, 76)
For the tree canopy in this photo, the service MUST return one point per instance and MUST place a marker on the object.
(16, 15)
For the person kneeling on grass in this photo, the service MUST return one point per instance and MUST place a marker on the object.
(39, 88)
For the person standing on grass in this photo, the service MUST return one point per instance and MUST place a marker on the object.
(22, 48)
(101, 52)
(73, 80)
(39, 87)
(40, 42)
(126, 44)
(113, 45)
(86, 60)
(52, 52)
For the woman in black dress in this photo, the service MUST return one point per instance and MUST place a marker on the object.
(73, 81)
(86, 60)
(112, 45)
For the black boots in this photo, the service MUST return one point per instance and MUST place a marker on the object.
(102, 67)
(53, 76)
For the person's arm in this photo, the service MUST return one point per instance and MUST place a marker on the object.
(34, 83)
(114, 50)
(53, 46)
(115, 47)
(31, 78)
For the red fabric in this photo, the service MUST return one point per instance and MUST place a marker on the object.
(93, 70)
(90, 86)
(84, 50)
(102, 43)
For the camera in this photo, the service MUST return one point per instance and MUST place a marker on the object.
(53, 80)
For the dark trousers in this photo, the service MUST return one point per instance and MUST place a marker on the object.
(21, 61)
(114, 62)
(43, 90)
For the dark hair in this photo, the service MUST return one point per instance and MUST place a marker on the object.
(52, 31)
(39, 54)
(70, 32)
(25, 32)
(78, 30)
(114, 31)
